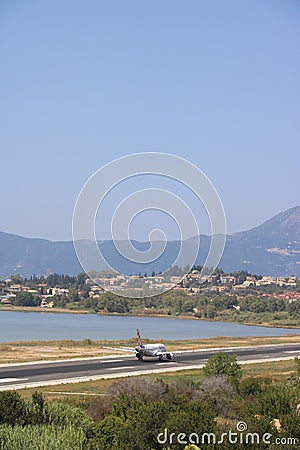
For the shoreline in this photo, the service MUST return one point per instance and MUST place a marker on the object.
(38, 309)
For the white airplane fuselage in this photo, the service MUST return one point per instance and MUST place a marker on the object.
(153, 350)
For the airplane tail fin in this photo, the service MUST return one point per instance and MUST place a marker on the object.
(139, 340)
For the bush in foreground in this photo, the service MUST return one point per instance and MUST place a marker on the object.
(41, 437)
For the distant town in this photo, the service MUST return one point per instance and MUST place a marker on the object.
(237, 296)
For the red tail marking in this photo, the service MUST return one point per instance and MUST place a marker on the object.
(139, 340)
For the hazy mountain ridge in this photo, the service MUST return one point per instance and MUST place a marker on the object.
(284, 225)
(272, 248)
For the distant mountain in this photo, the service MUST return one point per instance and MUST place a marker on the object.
(28, 256)
(285, 225)
(272, 248)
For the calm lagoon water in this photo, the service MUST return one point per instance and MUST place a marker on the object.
(22, 326)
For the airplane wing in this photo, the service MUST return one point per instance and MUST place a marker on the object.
(173, 353)
(121, 349)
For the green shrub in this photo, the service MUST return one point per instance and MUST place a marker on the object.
(275, 400)
(223, 364)
(12, 408)
(41, 437)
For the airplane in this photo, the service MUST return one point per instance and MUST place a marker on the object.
(150, 350)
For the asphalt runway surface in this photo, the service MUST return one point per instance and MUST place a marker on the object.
(15, 376)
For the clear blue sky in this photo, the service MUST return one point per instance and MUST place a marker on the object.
(84, 82)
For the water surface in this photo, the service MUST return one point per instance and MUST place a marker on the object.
(23, 326)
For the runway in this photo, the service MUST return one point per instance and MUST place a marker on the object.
(70, 371)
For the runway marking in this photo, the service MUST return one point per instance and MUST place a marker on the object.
(292, 351)
(162, 363)
(9, 380)
(111, 361)
(119, 368)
